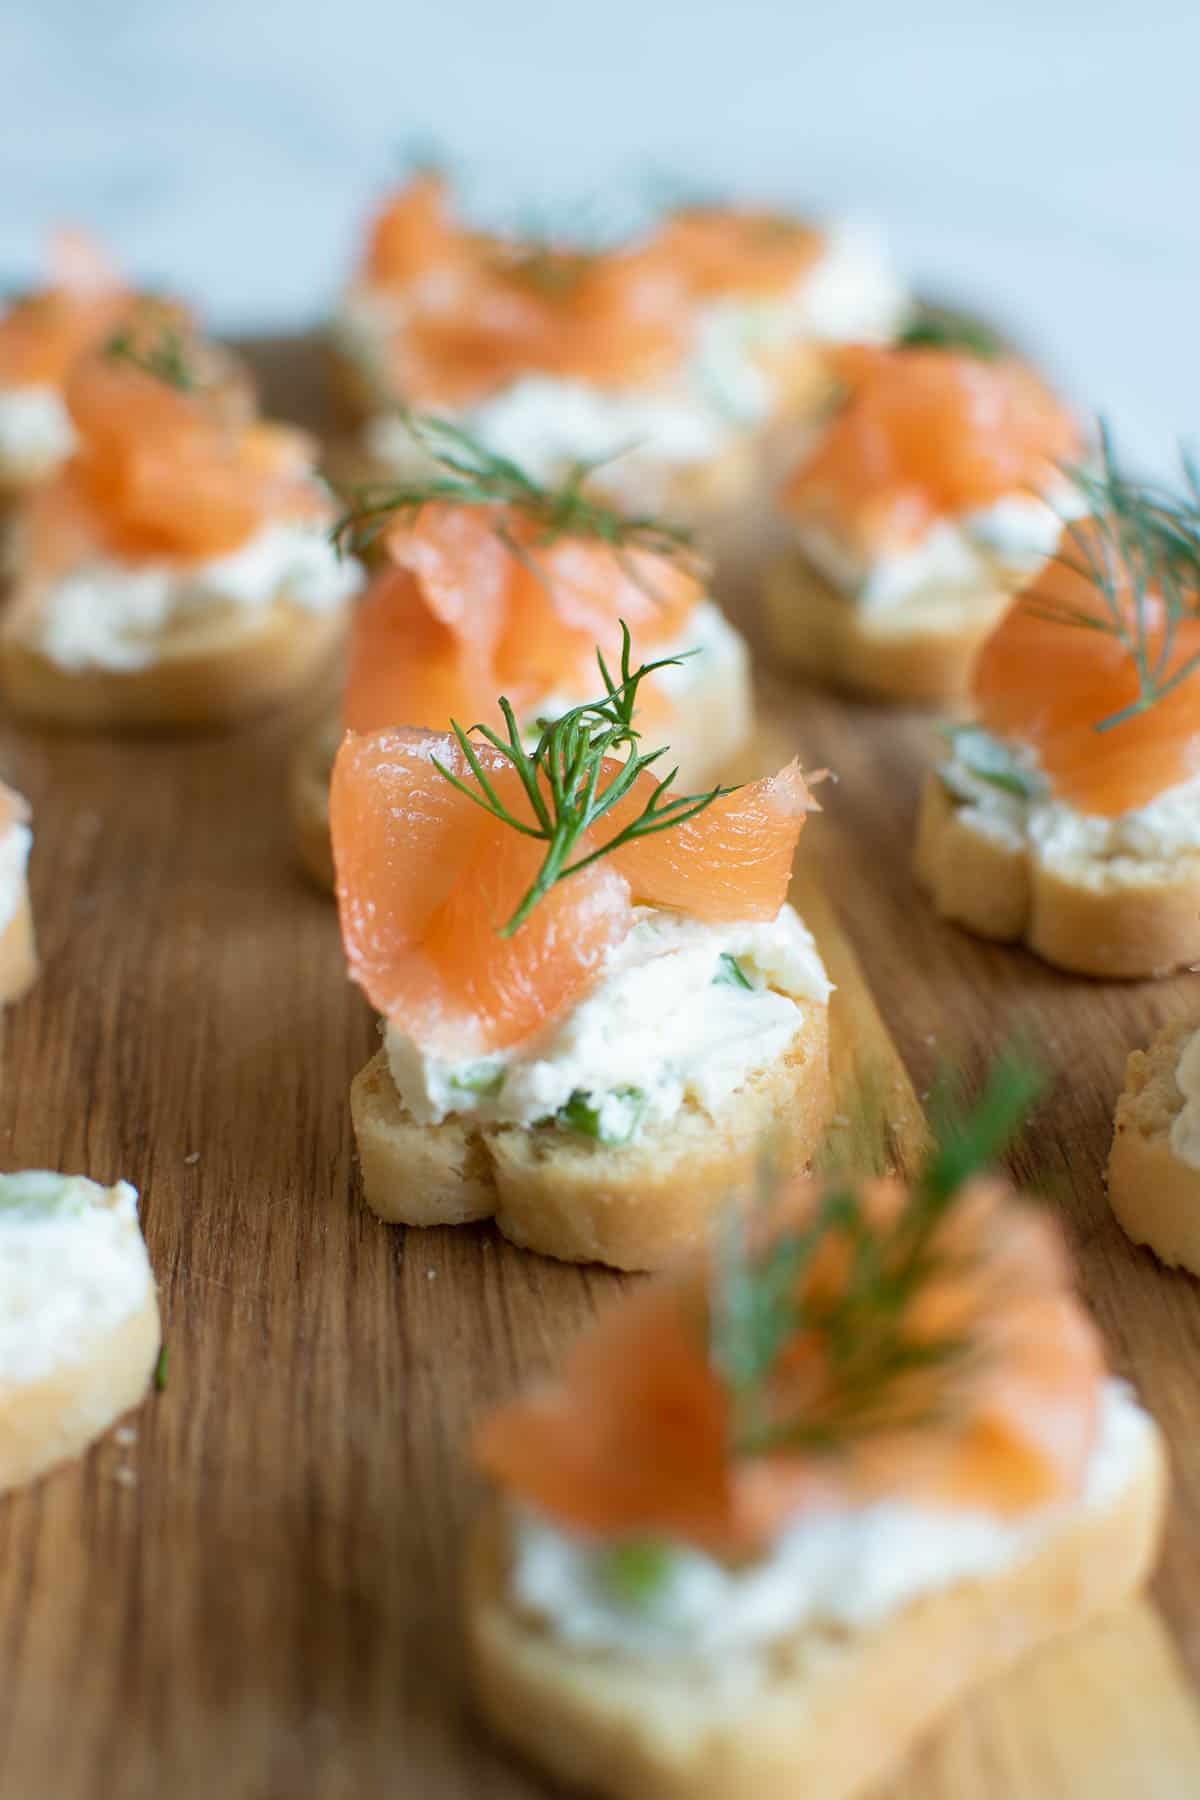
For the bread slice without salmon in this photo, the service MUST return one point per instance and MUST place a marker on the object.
(825, 1712)
(1120, 917)
(54, 1417)
(223, 665)
(632, 1206)
(916, 654)
(1153, 1192)
(715, 721)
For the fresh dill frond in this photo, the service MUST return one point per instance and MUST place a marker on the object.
(939, 328)
(467, 473)
(165, 357)
(161, 1369)
(1139, 541)
(768, 1294)
(565, 782)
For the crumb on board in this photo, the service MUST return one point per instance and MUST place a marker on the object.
(192, 1158)
(126, 1434)
(125, 1475)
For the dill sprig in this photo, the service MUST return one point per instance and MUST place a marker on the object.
(165, 358)
(565, 781)
(939, 328)
(766, 1296)
(467, 473)
(1139, 539)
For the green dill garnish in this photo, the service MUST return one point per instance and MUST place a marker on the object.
(565, 780)
(479, 1078)
(1139, 539)
(467, 473)
(160, 1369)
(763, 1299)
(165, 358)
(585, 1113)
(636, 1572)
(730, 973)
(936, 328)
(989, 760)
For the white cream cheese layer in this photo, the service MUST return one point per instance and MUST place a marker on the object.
(73, 1267)
(684, 1012)
(849, 1567)
(110, 615)
(15, 844)
(990, 550)
(1010, 800)
(36, 433)
(1185, 1126)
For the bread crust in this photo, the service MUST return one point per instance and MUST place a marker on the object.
(634, 1207)
(918, 656)
(707, 732)
(18, 952)
(826, 1712)
(1154, 1194)
(211, 671)
(1118, 919)
(49, 1421)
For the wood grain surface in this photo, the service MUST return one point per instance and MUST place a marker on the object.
(253, 1596)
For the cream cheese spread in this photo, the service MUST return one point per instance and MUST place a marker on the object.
(848, 1567)
(36, 433)
(73, 1267)
(1010, 800)
(683, 1013)
(15, 844)
(110, 615)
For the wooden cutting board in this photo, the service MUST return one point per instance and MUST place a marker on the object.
(251, 1592)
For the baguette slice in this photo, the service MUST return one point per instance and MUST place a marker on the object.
(224, 665)
(827, 1712)
(54, 1405)
(637, 1206)
(919, 655)
(706, 733)
(1117, 918)
(1154, 1193)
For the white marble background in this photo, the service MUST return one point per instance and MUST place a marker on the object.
(1040, 158)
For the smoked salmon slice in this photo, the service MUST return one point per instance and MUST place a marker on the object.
(43, 333)
(1047, 678)
(924, 434)
(639, 1438)
(158, 474)
(474, 602)
(426, 880)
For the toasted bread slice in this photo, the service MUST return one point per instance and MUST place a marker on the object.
(53, 1406)
(917, 654)
(636, 1206)
(714, 722)
(18, 953)
(825, 1712)
(1154, 1193)
(1116, 917)
(221, 666)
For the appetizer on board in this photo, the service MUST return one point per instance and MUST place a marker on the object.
(933, 493)
(1067, 816)
(18, 955)
(490, 583)
(782, 1509)
(1154, 1164)
(678, 348)
(43, 334)
(79, 1329)
(177, 571)
(596, 999)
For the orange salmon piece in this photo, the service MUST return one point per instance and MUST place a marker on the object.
(1049, 684)
(635, 1438)
(724, 251)
(425, 880)
(927, 434)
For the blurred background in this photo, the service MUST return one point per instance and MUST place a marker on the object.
(1035, 158)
